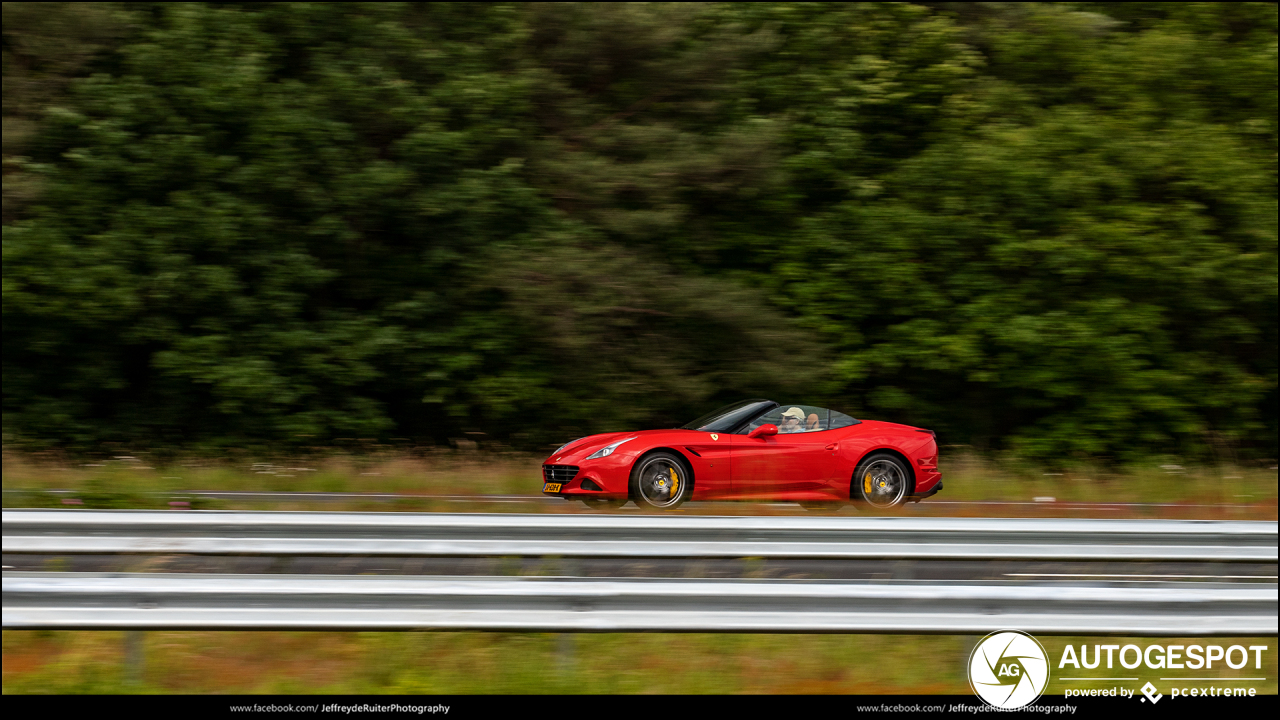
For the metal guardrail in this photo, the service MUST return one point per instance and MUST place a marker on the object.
(442, 534)
(170, 601)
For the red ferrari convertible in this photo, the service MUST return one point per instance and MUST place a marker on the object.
(751, 450)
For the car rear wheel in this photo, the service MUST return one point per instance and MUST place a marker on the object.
(881, 481)
(660, 481)
(603, 503)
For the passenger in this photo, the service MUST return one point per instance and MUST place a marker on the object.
(792, 421)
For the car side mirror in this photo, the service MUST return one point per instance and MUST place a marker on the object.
(763, 431)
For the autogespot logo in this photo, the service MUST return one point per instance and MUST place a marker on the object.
(1008, 669)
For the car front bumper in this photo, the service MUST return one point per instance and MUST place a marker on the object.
(604, 478)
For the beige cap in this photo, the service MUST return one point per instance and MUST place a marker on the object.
(794, 412)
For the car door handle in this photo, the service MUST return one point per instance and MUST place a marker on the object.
(833, 446)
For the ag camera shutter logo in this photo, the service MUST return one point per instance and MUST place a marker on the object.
(1008, 669)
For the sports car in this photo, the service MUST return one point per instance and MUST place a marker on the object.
(751, 450)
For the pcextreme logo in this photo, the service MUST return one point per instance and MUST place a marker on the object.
(1008, 669)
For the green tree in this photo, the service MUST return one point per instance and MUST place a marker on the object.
(1044, 227)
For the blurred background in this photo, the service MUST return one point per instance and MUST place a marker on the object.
(1048, 229)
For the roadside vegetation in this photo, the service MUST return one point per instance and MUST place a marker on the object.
(1046, 228)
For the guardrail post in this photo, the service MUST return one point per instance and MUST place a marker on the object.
(134, 657)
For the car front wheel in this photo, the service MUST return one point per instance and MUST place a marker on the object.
(660, 481)
(881, 481)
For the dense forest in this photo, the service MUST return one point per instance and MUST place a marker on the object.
(1048, 229)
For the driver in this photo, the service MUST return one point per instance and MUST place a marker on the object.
(792, 421)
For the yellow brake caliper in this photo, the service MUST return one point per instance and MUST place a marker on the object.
(675, 482)
(866, 484)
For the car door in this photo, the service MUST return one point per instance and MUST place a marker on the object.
(710, 455)
(802, 460)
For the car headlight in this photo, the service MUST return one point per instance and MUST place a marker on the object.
(607, 450)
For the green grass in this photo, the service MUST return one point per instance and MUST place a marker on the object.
(517, 663)
(1158, 480)
(439, 473)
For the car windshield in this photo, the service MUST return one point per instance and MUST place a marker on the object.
(730, 416)
(800, 419)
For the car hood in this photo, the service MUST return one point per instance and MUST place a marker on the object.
(579, 449)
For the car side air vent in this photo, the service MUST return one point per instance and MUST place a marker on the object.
(695, 452)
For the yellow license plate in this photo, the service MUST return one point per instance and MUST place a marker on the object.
(552, 487)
